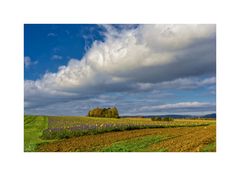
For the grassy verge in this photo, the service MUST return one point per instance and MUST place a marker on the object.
(209, 147)
(134, 145)
(33, 127)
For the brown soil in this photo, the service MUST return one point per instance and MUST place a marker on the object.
(187, 141)
(182, 139)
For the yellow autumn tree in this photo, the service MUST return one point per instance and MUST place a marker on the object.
(104, 112)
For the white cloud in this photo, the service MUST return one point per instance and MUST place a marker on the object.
(56, 57)
(28, 62)
(181, 107)
(51, 34)
(188, 83)
(147, 55)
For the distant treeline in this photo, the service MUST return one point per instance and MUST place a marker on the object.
(104, 112)
(207, 116)
(162, 119)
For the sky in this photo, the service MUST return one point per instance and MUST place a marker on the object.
(141, 69)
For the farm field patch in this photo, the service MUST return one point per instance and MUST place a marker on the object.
(66, 127)
(180, 139)
(145, 135)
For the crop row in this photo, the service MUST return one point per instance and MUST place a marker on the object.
(59, 128)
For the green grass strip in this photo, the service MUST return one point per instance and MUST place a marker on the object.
(209, 147)
(134, 145)
(33, 127)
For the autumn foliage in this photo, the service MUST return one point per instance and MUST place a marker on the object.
(104, 112)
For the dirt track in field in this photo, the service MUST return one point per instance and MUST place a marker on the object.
(184, 139)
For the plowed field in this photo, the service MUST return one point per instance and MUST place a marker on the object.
(180, 139)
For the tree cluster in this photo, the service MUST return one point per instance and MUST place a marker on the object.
(104, 112)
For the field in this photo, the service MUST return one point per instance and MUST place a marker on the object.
(81, 134)
(33, 128)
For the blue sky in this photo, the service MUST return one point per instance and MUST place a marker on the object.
(52, 45)
(141, 69)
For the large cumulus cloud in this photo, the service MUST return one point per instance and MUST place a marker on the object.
(130, 59)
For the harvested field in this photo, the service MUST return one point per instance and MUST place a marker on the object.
(180, 139)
